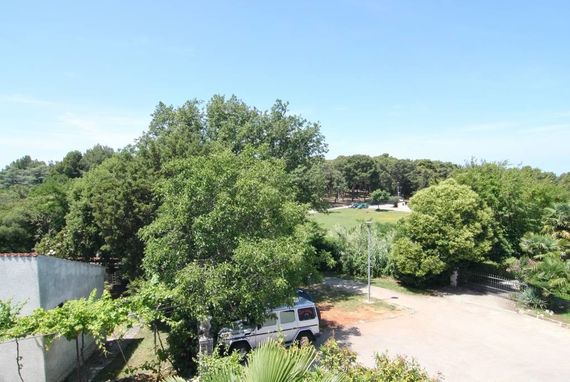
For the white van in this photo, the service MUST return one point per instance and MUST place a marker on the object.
(293, 323)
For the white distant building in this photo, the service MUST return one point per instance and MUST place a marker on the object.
(43, 282)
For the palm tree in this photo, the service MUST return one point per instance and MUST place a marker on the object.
(536, 245)
(552, 275)
(271, 362)
(557, 224)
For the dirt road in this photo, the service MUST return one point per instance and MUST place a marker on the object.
(466, 336)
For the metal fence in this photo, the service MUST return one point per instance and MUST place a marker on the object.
(491, 282)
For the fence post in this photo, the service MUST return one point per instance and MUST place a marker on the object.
(453, 278)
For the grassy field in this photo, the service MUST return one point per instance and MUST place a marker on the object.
(351, 217)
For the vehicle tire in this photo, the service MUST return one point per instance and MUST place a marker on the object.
(241, 347)
(305, 338)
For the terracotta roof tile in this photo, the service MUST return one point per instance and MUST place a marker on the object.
(29, 254)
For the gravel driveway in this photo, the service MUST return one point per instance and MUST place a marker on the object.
(465, 336)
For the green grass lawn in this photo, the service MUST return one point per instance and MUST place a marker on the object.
(351, 217)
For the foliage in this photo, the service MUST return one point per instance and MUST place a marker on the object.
(531, 297)
(379, 196)
(341, 361)
(310, 184)
(557, 224)
(358, 172)
(448, 227)
(107, 207)
(230, 237)
(551, 275)
(335, 183)
(517, 197)
(352, 244)
(24, 172)
(189, 130)
(92, 316)
(8, 316)
(211, 203)
(564, 181)
(261, 274)
(402, 177)
(273, 362)
(70, 165)
(268, 363)
(74, 164)
(536, 245)
(326, 247)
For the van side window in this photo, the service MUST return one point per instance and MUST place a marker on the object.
(287, 316)
(270, 321)
(306, 314)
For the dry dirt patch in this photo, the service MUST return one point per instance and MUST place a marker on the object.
(343, 307)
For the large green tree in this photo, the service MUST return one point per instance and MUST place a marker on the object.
(107, 207)
(229, 237)
(209, 204)
(517, 197)
(448, 227)
(24, 172)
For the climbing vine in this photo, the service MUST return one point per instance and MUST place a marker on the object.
(74, 320)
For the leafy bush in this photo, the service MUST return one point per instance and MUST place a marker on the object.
(273, 362)
(342, 361)
(448, 227)
(353, 248)
(531, 297)
(536, 245)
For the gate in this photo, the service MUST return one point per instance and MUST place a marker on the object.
(490, 282)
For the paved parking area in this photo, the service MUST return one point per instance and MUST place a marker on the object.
(466, 336)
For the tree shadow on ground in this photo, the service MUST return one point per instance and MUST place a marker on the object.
(341, 334)
(107, 366)
(472, 290)
(328, 297)
(331, 294)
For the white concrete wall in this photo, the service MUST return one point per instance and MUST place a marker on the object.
(44, 282)
(61, 280)
(32, 361)
(19, 281)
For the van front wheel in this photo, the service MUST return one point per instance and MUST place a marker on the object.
(241, 347)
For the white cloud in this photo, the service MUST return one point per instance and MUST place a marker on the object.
(26, 100)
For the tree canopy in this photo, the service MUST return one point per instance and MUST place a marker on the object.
(517, 197)
(449, 226)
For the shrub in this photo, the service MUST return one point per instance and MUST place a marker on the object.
(353, 249)
(448, 227)
(342, 361)
(531, 297)
(273, 362)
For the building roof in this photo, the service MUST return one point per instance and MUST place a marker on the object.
(21, 254)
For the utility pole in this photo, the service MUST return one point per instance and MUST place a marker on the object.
(369, 224)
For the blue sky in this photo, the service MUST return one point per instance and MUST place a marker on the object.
(445, 80)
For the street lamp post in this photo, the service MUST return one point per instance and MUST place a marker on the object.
(369, 223)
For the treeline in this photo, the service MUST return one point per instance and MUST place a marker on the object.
(358, 175)
(209, 203)
(486, 217)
